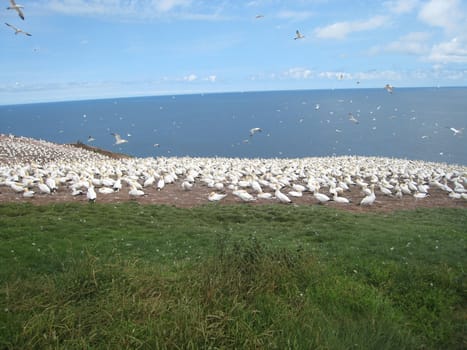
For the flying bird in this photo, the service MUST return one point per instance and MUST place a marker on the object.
(389, 88)
(259, 16)
(254, 131)
(118, 139)
(17, 8)
(456, 131)
(353, 119)
(90, 139)
(17, 30)
(298, 35)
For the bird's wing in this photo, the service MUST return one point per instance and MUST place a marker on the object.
(11, 26)
(12, 2)
(20, 13)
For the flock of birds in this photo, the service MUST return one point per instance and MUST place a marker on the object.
(19, 9)
(33, 167)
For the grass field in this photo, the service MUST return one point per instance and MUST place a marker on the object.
(127, 276)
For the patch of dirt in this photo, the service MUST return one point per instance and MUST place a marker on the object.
(173, 194)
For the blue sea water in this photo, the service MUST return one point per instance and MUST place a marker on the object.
(410, 123)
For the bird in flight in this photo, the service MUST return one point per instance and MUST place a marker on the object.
(90, 139)
(259, 16)
(17, 8)
(389, 88)
(352, 118)
(118, 139)
(17, 30)
(298, 35)
(456, 131)
(254, 131)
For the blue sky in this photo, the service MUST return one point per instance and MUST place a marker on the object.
(85, 49)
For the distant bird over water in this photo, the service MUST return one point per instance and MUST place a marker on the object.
(353, 119)
(255, 131)
(298, 35)
(17, 8)
(90, 139)
(389, 88)
(456, 131)
(17, 30)
(118, 139)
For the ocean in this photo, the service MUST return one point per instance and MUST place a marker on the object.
(411, 123)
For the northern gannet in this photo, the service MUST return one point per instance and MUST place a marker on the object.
(254, 131)
(456, 131)
(17, 8)
(389, 88)
(118, 139)
(298, 35)
(353, 119)
(17, 30)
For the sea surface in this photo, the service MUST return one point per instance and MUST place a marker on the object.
(412, 123)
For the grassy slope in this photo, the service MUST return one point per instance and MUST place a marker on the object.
(131, 276)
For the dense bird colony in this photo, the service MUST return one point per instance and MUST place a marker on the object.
(34, 168)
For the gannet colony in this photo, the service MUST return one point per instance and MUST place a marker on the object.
(32, 168)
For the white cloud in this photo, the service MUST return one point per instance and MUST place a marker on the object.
(341, 30)
(298, 73)
(453, 51)
(167, 5)
(294, 15)
(211, 78)
(413, 44)
(128, 9)
(442, 13)
(191, 77)
(401, 6)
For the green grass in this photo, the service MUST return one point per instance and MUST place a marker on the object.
(129, 276)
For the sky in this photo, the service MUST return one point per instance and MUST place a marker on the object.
(90, 49)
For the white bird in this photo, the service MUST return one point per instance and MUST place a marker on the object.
(243, 195)
(106, 190)
(187, 185)
(298, 35)
(389, 88)
(282, 197)
(90, 139)
(17, 8)
(91, 194)
(338, 199)
(264, 195)
(28, 194)
(215, 197)
(370, 199)
(456, 131)
(296, 194)
(254, 131)
(118, 139)
(17, 30)
(353, 119)
(420, 195)
(321, 197)
(134, 192)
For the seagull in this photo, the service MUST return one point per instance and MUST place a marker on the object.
(254, 131)
(353, 119)
(17, 30)
(456, 131)
(298, 35)
(389, 88)
(118, 139)
(17, 8)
